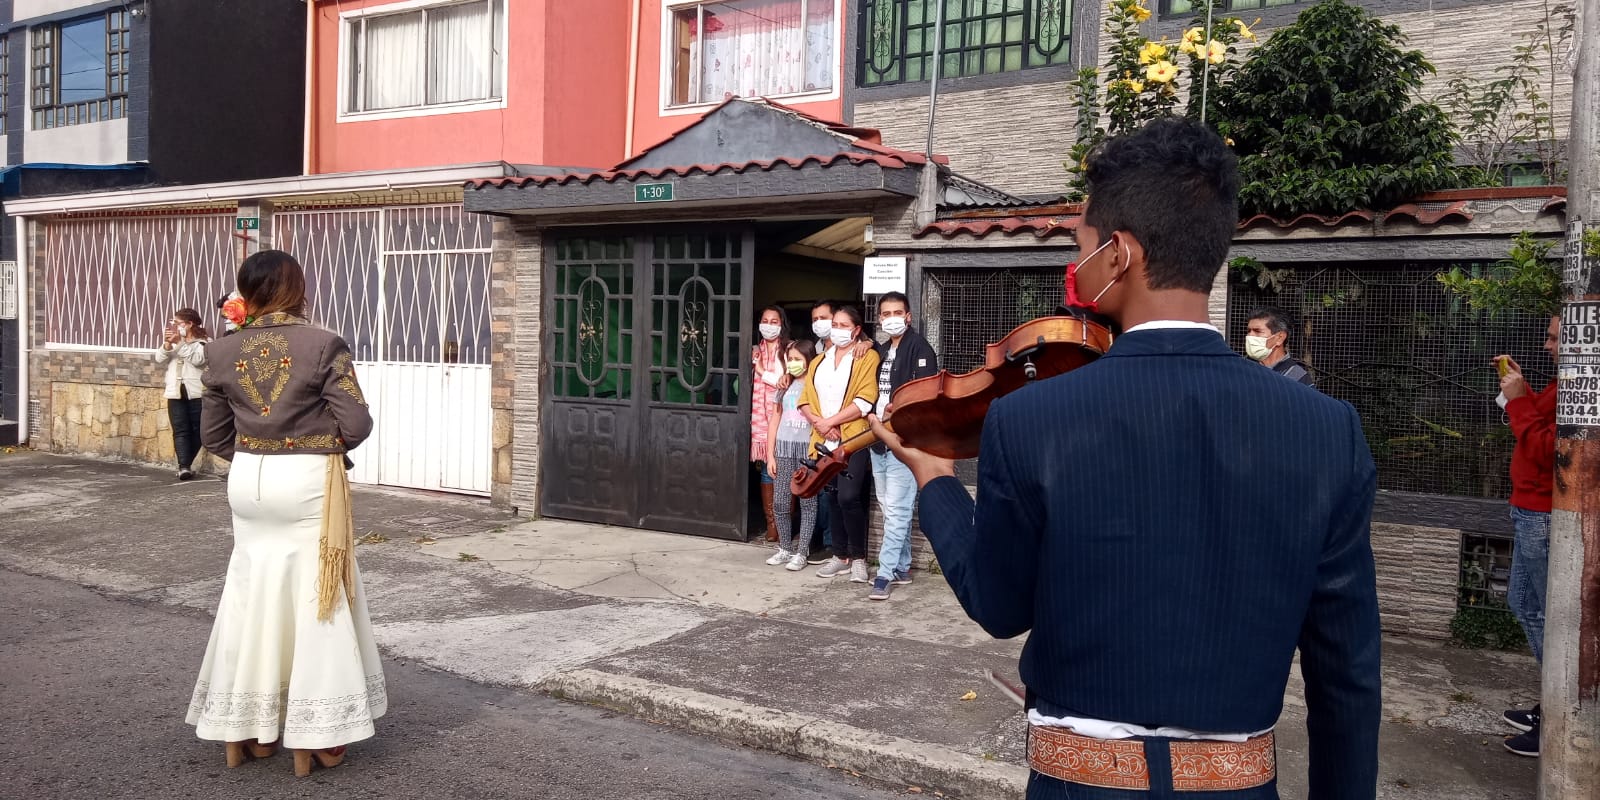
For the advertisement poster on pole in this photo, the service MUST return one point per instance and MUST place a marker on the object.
(1579, 366)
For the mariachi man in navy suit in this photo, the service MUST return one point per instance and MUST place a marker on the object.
(1170, 521)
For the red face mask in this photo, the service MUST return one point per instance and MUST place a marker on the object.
(1073, 299)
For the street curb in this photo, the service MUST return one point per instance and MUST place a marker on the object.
(875, 755)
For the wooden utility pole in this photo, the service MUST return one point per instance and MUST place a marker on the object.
(1569, 764)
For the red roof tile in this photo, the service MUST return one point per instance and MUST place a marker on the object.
(1431, 209)
(1431, 213)
(1042, 228)
(1325, 221)
(614, 175)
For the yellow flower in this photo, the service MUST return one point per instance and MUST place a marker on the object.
(1138, 12)
(1216, 52)
(1161, 72)
(1133, 85)
(1193, 36)
(1227, 140)
(1152, 52)
(1244, 31)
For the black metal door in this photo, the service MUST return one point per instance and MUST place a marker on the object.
(646, 411)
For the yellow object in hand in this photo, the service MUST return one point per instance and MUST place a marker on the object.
(1502, 366)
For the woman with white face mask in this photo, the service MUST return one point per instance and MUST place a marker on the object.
(766, 360)
(183, 351)
(842, 390)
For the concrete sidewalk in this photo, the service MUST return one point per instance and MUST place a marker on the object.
(701, 634)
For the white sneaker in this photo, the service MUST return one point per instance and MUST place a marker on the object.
(858, 571)
(779, 557)
(835, 566)
(796, 563)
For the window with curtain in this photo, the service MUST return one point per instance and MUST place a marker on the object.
(981, 37)
(752, 48)
(435, 56)
(79, 70)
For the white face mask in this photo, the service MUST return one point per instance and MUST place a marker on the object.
(821, 327)
(768, 330)
(842, 336)
(1256, 347)
(894, 326)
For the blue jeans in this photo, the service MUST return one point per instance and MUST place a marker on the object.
(1530, 566)
(897, 497)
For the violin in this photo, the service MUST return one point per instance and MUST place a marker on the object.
(943, 414)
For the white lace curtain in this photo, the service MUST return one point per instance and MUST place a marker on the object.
(757, 48)
(430, 56)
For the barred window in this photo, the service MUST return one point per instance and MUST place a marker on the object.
(80, 70)
(981, 37)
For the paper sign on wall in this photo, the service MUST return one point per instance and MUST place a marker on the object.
(883, 274)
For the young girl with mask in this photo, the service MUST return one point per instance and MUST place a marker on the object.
(766, 360)
(787, 443)
(841, 389)
(183, 351)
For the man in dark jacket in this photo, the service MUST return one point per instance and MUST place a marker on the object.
(1170, 522)
(906, 356)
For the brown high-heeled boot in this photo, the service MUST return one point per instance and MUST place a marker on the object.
(239, 752)
(327, 759)
(766, 503)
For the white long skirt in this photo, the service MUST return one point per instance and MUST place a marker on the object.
(272, 668)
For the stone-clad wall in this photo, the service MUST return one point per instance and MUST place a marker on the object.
(106, 404)
(1418, 571)
(1015, 138)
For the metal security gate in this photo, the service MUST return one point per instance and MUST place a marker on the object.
(408, 289)
(646, 418)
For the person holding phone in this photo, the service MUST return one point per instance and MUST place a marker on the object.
(183, 351)
(1533, 464)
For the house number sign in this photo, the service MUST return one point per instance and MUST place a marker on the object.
(652, 193)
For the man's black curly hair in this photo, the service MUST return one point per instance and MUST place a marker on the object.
(1174, 185)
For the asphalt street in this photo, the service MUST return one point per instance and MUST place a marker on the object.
(93, 692)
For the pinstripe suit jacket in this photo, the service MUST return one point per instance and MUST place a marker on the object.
(1170, 522)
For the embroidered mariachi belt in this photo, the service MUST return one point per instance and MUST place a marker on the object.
(1197, 766)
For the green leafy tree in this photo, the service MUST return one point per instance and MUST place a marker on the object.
(1326, 119)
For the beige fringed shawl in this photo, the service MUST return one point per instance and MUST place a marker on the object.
(336, 568)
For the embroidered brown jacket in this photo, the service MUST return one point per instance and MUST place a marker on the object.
(282, 385)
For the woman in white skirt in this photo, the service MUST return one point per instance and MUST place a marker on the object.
(291, 657)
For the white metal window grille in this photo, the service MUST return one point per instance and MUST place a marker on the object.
(399, 284)
(8, 290)
(434, 56)
(113, 282)
(408, 289)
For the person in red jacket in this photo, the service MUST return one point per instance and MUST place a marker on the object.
(1533, 422)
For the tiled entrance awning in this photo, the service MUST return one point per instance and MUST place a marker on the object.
(741, 153)
(814, 176)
